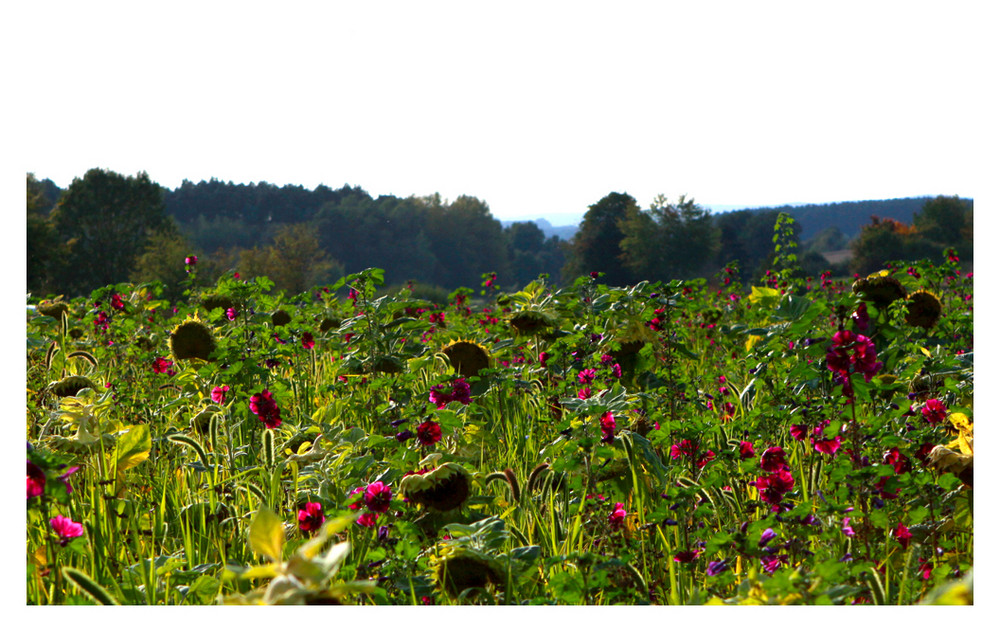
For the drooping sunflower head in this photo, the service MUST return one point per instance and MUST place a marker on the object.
(529, 321)
(387, 364)
(467, 357)
(217, 301)
(460, 569)
(328, 323)
(443, 488)
(53, 309)
(280, 317)
(880, 288)
(192, 339)
(923, 309)
(70, 386)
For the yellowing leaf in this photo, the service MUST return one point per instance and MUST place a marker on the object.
(267, 534)
(925, 352)
(133, 448)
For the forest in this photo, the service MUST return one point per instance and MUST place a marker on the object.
(108, 228)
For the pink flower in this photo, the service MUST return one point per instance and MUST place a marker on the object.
(766, 536)
(377, 496)
(799, 431)
(685, 448)
(608, 427)
(36, 480)
(773, 459)
(586, 376)
(263, 405)
(190, 260)
(617, 517)
(311, 517)
(902, 535)
(861, 318)
(616, 370)
(461, 392)
(162, 365)
(66, 529)
(846, 528)
(116, 302)
(684, 557)
(428, 433)
(367, 520)
(219, 394)
(584, 393)
(307, 341)
(746, 450)
(543, 357)
(231, 313)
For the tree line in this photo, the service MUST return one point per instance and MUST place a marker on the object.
(107, 228)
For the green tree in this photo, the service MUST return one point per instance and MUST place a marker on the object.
(946, 221)
(596, 247)
(44, 252)
(106, 221)
(669, 241)
(163, 260)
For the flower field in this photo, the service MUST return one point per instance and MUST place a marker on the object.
(797, 441)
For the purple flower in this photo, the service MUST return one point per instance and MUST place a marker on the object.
(64, 477)
(766, 537)
(714, 568)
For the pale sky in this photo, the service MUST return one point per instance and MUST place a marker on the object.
(536, 108)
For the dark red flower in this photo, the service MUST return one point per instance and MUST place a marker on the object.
(367, 520)
(116, 302)
(263, 405)
(685, 557)
(307, 341)
(902, 535)
(685, 448)
(826, 446)
(162, 365)
(746, 450)
(377, 496)
(461, 392)
(799, 431)
(773, 487)
(428, 433)
(311, 517)
(36, 480)
(900, 462)
(773, 459)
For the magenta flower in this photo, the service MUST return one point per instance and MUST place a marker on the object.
(902, 535)
(36, 480)
(219, 394)
(461, 392)
(685, 448)
(846, 528)
(934, 411)
(162, 365)
(428, 433)
(616, 370)
(584, 393)
(714, 568)
(772, 563)
(607, 427)
(377, 496)
(826, 446)
(66, 529)
(116, 302)
(900, 462)
(543, 357)
(746, 450)
(367, 520)
(263, 405)
(439, 397)
(307, 341)
(231, 313)
(773, 459)
(64, 478)
(586, 376)
(799, 431)
(190, 260)
(617, 517)
(860, 317)
(773, 487)
(311, 517)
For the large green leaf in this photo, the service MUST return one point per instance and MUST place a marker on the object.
(133, 448)
(267, 534)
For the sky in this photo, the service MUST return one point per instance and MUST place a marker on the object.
(539, 109)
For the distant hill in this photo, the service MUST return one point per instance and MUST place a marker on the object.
(564, 233)
(849, 217)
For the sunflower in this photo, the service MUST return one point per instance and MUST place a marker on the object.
(387, 364)
(923, 309)
(529, 321)
(280, 317)
(460, 569)
(328, 323)
(443, 488)
(467, 357)
(217, 301)
(70, 386)
(55, 310)
(880, 288)
(192, 339)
